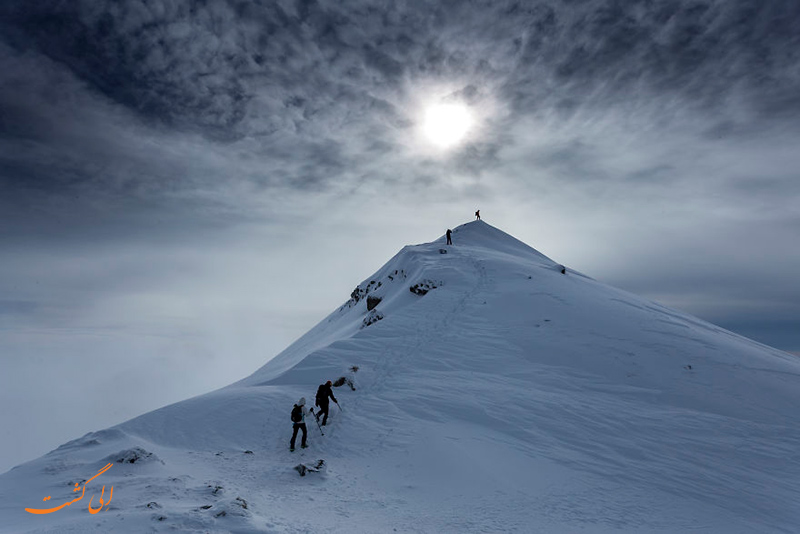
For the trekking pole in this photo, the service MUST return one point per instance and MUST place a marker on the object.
(317, 421)
(337, 404)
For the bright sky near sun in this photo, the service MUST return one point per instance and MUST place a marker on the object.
(446, 125)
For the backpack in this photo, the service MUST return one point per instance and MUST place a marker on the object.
(297, 414)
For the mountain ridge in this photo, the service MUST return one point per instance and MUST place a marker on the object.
(494, 393)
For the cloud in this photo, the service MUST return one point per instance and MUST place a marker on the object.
(313, 92)
(130, 113)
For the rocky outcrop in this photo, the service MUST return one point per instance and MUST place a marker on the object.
(364, 291)
(422, 287)
(372, 301)
(372, 317)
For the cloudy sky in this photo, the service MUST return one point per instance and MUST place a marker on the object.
(188, 186)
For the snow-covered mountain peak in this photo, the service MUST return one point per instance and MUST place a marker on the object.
(478, 235)
(495, 390)
(414, 272)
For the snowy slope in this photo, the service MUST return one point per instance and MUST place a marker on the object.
(509, 397)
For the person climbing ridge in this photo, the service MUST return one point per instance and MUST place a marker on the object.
(478, 215)
(323, 393)
(449, 241)
(299, 413)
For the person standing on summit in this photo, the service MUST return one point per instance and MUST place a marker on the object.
(323, 393)
(478, 215)
(449, 241)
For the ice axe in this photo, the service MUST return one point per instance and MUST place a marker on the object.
(317, 421)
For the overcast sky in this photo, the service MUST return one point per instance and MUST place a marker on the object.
(186, 187)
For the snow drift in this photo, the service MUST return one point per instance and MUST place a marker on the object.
(496, 391)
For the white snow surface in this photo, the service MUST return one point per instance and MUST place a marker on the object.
(508, 398)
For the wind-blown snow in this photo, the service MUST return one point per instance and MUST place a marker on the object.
(508, 397)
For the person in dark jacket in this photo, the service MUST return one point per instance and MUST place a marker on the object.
(478, 215)
(323, 393)
(300, 424)
(449, 241)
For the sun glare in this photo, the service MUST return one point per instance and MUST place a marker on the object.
(446, 125)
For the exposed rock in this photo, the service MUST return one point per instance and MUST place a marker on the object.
(342, 380)
(235, 508)
(373, 301)
(397, 274)
(372, 317)
(362, 291)
(359, 293)
(422, 288)
(136, 455)
(317, 467)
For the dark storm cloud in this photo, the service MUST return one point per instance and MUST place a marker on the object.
(234, 70)
(699, 50)
(203, 65)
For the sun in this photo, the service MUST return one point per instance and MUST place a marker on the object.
(446, 125)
